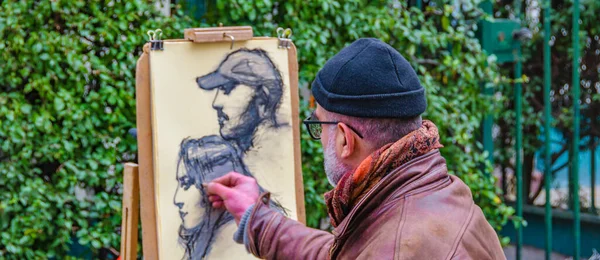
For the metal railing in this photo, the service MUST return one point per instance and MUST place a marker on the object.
(574, 189)
(547, 119)
(547, 115)
(575, 142)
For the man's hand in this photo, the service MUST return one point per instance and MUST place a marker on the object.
(235, 192)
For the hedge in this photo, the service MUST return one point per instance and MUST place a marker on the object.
(67, 102)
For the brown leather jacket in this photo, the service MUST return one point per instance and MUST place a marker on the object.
(417, 211)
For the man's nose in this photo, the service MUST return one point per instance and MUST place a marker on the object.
(179, 205)
(217, 101)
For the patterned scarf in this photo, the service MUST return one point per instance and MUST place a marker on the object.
(354, 185)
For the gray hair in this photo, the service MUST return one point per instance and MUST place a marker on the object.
(379, 131)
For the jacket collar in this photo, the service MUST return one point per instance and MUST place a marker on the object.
(412, 177)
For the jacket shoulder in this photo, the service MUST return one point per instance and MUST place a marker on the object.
(375, 236)
(479, 240)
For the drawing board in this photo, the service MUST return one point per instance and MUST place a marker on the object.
(205, 109)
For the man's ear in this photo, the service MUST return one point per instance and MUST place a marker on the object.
(261, 105)
(346, 141)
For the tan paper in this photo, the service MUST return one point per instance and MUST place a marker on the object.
(232, 114)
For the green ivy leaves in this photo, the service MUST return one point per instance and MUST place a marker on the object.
(67, 100)
(67, 84)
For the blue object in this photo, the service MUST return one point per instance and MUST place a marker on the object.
(240, 235)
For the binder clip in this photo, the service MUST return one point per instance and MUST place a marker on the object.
(285, 38)
(155, 39)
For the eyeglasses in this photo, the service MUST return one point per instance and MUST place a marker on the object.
(315, 128)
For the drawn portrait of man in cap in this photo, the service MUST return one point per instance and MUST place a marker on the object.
(249, 90)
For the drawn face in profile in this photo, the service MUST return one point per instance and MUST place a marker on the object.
(249, 89)
(236, 113)
(201, 161)
(187, 198)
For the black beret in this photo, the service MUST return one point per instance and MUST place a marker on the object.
(369, 78)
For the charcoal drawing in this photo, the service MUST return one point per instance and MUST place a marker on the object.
(249, 90)
(202, 160)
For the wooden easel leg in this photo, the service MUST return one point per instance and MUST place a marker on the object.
(131, 212)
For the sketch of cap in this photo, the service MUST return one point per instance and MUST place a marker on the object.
(250, 67)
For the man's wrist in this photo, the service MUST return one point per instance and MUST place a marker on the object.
(240, 235)
(241, 210)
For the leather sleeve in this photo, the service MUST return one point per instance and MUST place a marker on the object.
(274, 236)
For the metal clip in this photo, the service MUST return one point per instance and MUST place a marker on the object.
(230, 37)
(155, 39)
(284, 37)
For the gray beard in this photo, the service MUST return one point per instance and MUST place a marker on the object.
(333, 167)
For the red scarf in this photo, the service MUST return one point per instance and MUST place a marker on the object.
(354, 185)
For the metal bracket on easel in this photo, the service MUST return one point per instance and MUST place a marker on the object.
(155, 40)
(285, 38)
(219, 34)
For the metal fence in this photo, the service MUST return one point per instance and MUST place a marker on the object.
(487, 125)
(575, 91)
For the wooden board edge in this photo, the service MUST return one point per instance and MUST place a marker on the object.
(131, 212)
(293, 70)
(145, 156)
(217, 34)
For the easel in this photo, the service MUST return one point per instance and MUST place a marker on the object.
(142, 193)
(131, 212)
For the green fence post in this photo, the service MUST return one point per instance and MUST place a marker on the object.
(547, 118)
(593, 172)
(519, 135)
(518, 149)
(488, 124)
(575, 139)
(488, 119)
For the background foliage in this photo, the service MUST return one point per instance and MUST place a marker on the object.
(561, 95)
(67, 101)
